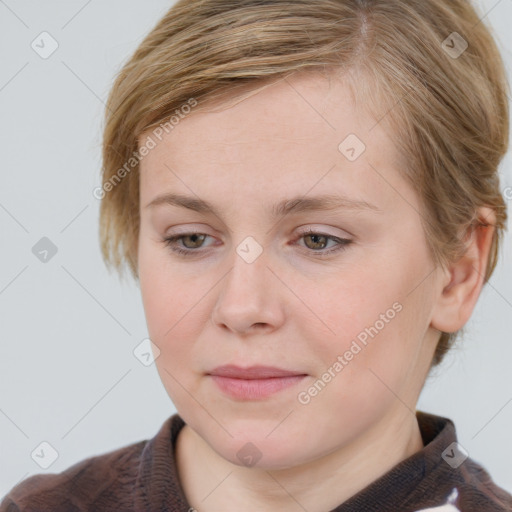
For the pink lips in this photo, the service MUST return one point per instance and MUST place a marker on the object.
(255, 382)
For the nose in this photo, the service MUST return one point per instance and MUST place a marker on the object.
(249, 298)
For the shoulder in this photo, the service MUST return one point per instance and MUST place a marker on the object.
(101, 482)
(480, 492)
(452, 472)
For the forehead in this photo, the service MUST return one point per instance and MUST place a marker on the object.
(304, 131)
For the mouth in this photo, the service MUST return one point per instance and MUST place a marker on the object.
(255, 382)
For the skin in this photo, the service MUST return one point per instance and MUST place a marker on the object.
(291, 308)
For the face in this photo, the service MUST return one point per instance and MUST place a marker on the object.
(336, 298)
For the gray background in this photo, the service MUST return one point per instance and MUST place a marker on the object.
(68, 375)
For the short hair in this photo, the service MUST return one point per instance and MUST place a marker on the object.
(430, 69)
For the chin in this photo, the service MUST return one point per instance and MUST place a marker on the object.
(251, 457)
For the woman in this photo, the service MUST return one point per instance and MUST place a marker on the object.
(307, 193)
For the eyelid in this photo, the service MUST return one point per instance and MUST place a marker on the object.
(318, 230)
(188, 229)
(308, 229)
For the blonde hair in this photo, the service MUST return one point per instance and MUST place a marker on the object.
(446, 104)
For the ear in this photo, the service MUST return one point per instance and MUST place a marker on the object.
(464, 279)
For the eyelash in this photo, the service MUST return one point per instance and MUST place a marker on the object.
(171, 242)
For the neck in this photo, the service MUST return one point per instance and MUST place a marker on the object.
(212, 483)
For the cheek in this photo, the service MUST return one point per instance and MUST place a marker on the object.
(161, 292)
(370, 317)
(163, 288)
(171, 313)
(174, 309)
(170, 322)
(357, 299)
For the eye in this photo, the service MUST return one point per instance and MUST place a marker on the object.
(188, 244)
(316, 241)
(196, 240)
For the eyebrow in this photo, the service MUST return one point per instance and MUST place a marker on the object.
(328, 202)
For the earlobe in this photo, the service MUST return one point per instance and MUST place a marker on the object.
(457, 297)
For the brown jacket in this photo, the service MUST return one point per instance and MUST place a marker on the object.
(142, 477)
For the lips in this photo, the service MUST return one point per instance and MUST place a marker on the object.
(255, 382)
(253, 372)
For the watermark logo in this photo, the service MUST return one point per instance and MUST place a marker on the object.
(352, 147)
(44, 455)
(44, 250)
(455, 455)
(249, 454)
(146, 352)
(249, 249)
(45, 45)
(454, 45)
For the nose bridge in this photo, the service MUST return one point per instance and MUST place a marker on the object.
(244, 298)
(249, 271)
